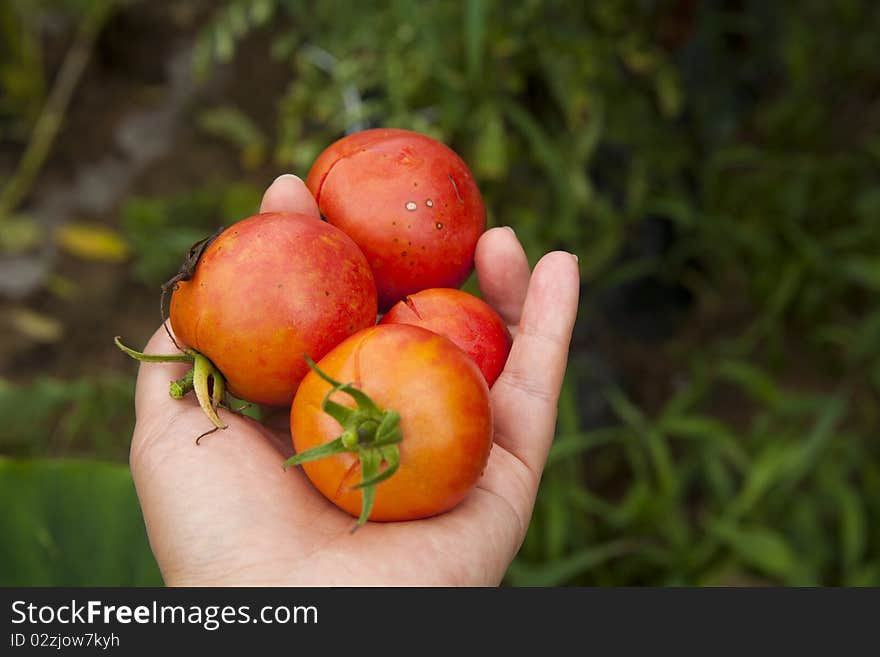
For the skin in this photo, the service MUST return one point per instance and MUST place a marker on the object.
(225, 513)
(305, 298)
(445, 418)
(463, 318)
(408, 201)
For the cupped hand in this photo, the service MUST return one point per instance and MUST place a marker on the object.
(226, 513)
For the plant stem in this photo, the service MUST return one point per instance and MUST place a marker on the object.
(50, 118)
(183, 385)
(185, 357)
(369, 431)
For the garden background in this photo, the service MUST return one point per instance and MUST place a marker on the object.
(715, 164)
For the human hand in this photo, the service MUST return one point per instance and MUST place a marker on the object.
(226, 513)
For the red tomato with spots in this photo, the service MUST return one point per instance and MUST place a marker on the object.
(269, 289)
(445, 420)
(408, 201)
(463, 318)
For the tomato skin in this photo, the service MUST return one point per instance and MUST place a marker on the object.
(408, 201)
(269, 289)
(463, 318)
(446, 420)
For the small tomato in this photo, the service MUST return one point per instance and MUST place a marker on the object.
(463, 318)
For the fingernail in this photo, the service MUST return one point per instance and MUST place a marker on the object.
(512, 232)
(574, 255)
(286, 175)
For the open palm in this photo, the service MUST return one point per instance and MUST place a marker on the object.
(226, 513)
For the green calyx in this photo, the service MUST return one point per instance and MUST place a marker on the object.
(204, 379)
(369, 431)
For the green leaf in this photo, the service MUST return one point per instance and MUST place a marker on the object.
(89, 414)
(561, 571)
(474, 36)
(555, 511)
(233, 125)
(703, 428)
(569, 446)
(654, 439)
(72, 523)
(807, 453)
(490, 158)
(370, 459)
(388, 432)
(753, 380)
(365, 404)
(321, 451)
(391, 455)
(768, 469)
(863, 271)
(852, 525)
(763, 549)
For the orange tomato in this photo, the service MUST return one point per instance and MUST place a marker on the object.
(445, 420)
(269, 289)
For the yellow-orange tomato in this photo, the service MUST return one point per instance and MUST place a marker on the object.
(409, 202)
(445, 419)
(269, 289)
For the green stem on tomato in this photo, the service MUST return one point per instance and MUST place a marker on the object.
(185, 357)
(177, 389)
(203, 373)
(371, 432)
(204, 379)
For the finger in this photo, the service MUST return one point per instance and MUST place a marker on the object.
(503, 272)
(151, 393)
(287, 193)
(526, 394)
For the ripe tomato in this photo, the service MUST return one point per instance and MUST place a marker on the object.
(445, 420)
(463, 318)
(267, 290)
(408, 201)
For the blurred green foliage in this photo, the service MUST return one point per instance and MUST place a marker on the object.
(83, 416)
(584, 121)
(72, 523)
(787, 494)
(748, 130)
(21, 72)
(161, 230)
